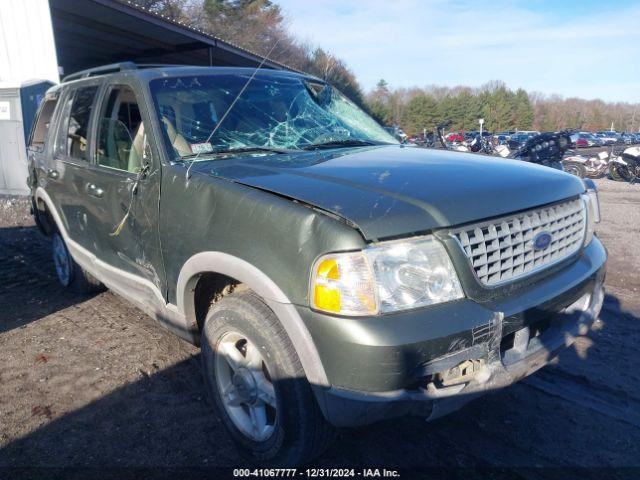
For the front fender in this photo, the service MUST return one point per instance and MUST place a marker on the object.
(261, 284)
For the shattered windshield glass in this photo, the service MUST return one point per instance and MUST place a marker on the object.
(275, 112)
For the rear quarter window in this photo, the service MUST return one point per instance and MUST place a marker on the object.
(73, 136)
(42, 124)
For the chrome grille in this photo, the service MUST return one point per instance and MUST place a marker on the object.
(502, 250)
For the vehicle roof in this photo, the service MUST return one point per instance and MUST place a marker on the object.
(163, 71)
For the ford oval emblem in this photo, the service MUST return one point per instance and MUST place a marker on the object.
(542, 240)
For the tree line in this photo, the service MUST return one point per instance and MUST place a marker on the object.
(557, 113)
(503, 109)
(416, 109)
(258, 25)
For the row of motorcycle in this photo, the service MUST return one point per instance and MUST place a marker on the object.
(554, 150)
(620, 164)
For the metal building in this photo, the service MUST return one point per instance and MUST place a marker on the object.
(43, 39)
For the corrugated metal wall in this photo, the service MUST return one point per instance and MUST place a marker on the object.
(27, 52)
(27, 48)
(13, 156)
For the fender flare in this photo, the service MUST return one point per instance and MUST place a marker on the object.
(259, 282)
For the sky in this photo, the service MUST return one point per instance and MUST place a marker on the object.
(588, 49)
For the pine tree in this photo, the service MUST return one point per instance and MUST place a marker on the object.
(524, 111)
(421, 113)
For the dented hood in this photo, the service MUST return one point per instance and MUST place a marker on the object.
(392, 191)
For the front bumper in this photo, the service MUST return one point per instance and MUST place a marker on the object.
(506, 340)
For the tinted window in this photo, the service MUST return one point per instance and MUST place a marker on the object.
(75, 123)
(41, 127)
(120, 131)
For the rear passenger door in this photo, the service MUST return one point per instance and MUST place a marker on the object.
(69, 173)
(127, 184)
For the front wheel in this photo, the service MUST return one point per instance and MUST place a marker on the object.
(258, 385)
(575, 168)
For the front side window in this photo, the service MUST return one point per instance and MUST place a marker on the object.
(121, 136)
(74, 134)
(275, 111)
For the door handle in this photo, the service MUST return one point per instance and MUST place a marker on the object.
(94, 190)
(53, 174)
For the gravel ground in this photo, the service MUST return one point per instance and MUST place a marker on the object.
(92, 382)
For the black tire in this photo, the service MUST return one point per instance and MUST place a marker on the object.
(619, 173)
(300, 432)
(74, 277)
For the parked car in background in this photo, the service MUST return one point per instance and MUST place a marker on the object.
(519, 139)
(585, 139)
(627, 138)
(396, 132)
(455, 137)
(609, 138)
(502, 137)
(579, 142)
(472, 134)
(597, 141)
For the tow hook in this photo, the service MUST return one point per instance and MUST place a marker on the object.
(461, 373)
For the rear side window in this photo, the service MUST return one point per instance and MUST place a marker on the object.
(74, 127)
(41, 126)
(120, 140)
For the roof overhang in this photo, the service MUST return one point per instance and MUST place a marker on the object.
(97, 32)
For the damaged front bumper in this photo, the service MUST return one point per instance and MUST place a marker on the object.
(504, 356)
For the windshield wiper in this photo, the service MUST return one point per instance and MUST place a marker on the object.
(352, 142)
(223, 151)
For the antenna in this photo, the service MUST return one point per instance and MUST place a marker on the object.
(215, 129)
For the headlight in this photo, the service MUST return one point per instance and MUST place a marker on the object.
(595, 204)
(343, 283)
(389, 277)
(592, 206)
(590, 227)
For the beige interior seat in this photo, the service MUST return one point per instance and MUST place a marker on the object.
(137, 146)
(177, 141)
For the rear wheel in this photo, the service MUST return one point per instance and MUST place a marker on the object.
(69, 273)
(258, 385)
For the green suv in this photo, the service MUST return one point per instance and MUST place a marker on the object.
(331, 276)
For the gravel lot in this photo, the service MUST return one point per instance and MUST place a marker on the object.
(92, 382)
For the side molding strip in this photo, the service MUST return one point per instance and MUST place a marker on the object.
(139, 291)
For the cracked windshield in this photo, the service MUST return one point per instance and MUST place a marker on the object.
(275, 112)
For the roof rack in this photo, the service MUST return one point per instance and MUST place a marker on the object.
(111, 68)
(90, 72)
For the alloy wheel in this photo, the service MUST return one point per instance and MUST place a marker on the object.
(245, 386)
